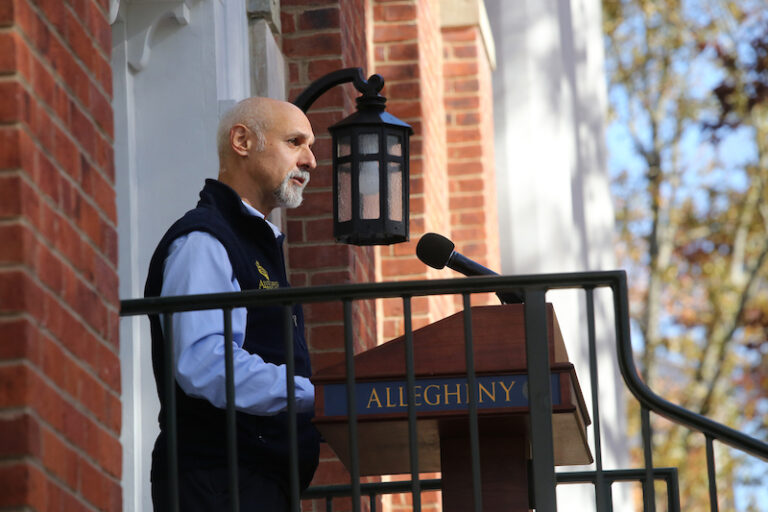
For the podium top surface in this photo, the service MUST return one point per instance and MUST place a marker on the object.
(498, 337)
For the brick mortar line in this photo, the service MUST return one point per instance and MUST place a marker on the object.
(316, 272)
(451, 92)
(467, 193)
(42, 326)
(23, 221)
(469, 210)
(6, 316)
(298, 9)
(292, 241)
(400, 42)
(466, 159)
(6, 126)
(461, 94)
(5, 412)
(328, 323)
(309, 33)
(64, 129)
(87, 32)
(32, 320)
(64, 85)
(318, 189)
(22, 172)
(60, 124)
(392, 62)
(318, 243)
(408, 22)
(309, 275)
(387, 44)
(38, 464)
(313, 272)
(468, 141)
(58, 36)
(104, 13)
(318, 110)
(78, 274)
(71, 402)
(339, 350)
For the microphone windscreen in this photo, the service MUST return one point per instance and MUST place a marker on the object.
(434, 250)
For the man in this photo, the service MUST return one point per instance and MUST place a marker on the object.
(226, 244)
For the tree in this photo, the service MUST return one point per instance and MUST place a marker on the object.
(688, 87)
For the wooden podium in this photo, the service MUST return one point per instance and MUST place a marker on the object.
(441, 400)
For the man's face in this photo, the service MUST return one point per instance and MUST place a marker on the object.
(281, 170)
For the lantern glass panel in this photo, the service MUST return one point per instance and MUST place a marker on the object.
(369, 189)
(345, 192)
(344, 146)
(368, 143)
(395, 191)
(394, 145)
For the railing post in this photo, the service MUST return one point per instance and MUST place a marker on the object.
(602, 493)
(474, 432)
(649, 488)
(540, 400)
(413, 434)
(713, 505)
(290, 388)
(169, 381)
(673, 491)
(229, 377)
(354, 455)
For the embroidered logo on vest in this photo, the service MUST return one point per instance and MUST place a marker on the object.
(268, 284)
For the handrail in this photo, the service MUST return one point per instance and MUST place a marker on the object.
(664, 407)
(359, 291)
(615, 279)
(588, 281)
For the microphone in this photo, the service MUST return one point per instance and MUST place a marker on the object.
(437, 252)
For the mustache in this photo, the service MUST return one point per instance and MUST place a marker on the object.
(298, 173)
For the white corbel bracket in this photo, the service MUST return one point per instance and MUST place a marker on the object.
(143, 19)
(114, 9)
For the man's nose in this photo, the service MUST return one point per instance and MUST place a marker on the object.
(307, 161)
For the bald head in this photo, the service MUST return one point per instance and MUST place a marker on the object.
(263, 143)
(253, 113)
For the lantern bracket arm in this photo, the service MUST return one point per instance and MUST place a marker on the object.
(369, 88)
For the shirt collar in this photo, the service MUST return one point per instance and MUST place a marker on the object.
(253, 211)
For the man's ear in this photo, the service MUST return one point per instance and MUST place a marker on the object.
(239, 139)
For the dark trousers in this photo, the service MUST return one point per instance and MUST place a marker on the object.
(207, 490)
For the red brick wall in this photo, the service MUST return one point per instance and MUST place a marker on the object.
(439, 82)
(59, 367)
(471, 166)
(320, 37)
(408, 55)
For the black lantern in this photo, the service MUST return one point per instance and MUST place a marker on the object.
(370, 164)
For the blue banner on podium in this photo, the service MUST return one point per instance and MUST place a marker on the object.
(445, 394)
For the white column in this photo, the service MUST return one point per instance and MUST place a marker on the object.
(175, 63)
(555, 210)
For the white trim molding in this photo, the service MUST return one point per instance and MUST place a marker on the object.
(467, 13)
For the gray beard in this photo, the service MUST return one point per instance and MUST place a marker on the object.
(289, 195)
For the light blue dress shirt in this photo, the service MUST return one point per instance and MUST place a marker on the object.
(198, 263)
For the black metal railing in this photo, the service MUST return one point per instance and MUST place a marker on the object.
(542, 474)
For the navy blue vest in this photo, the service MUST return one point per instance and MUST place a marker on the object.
(257, 261)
